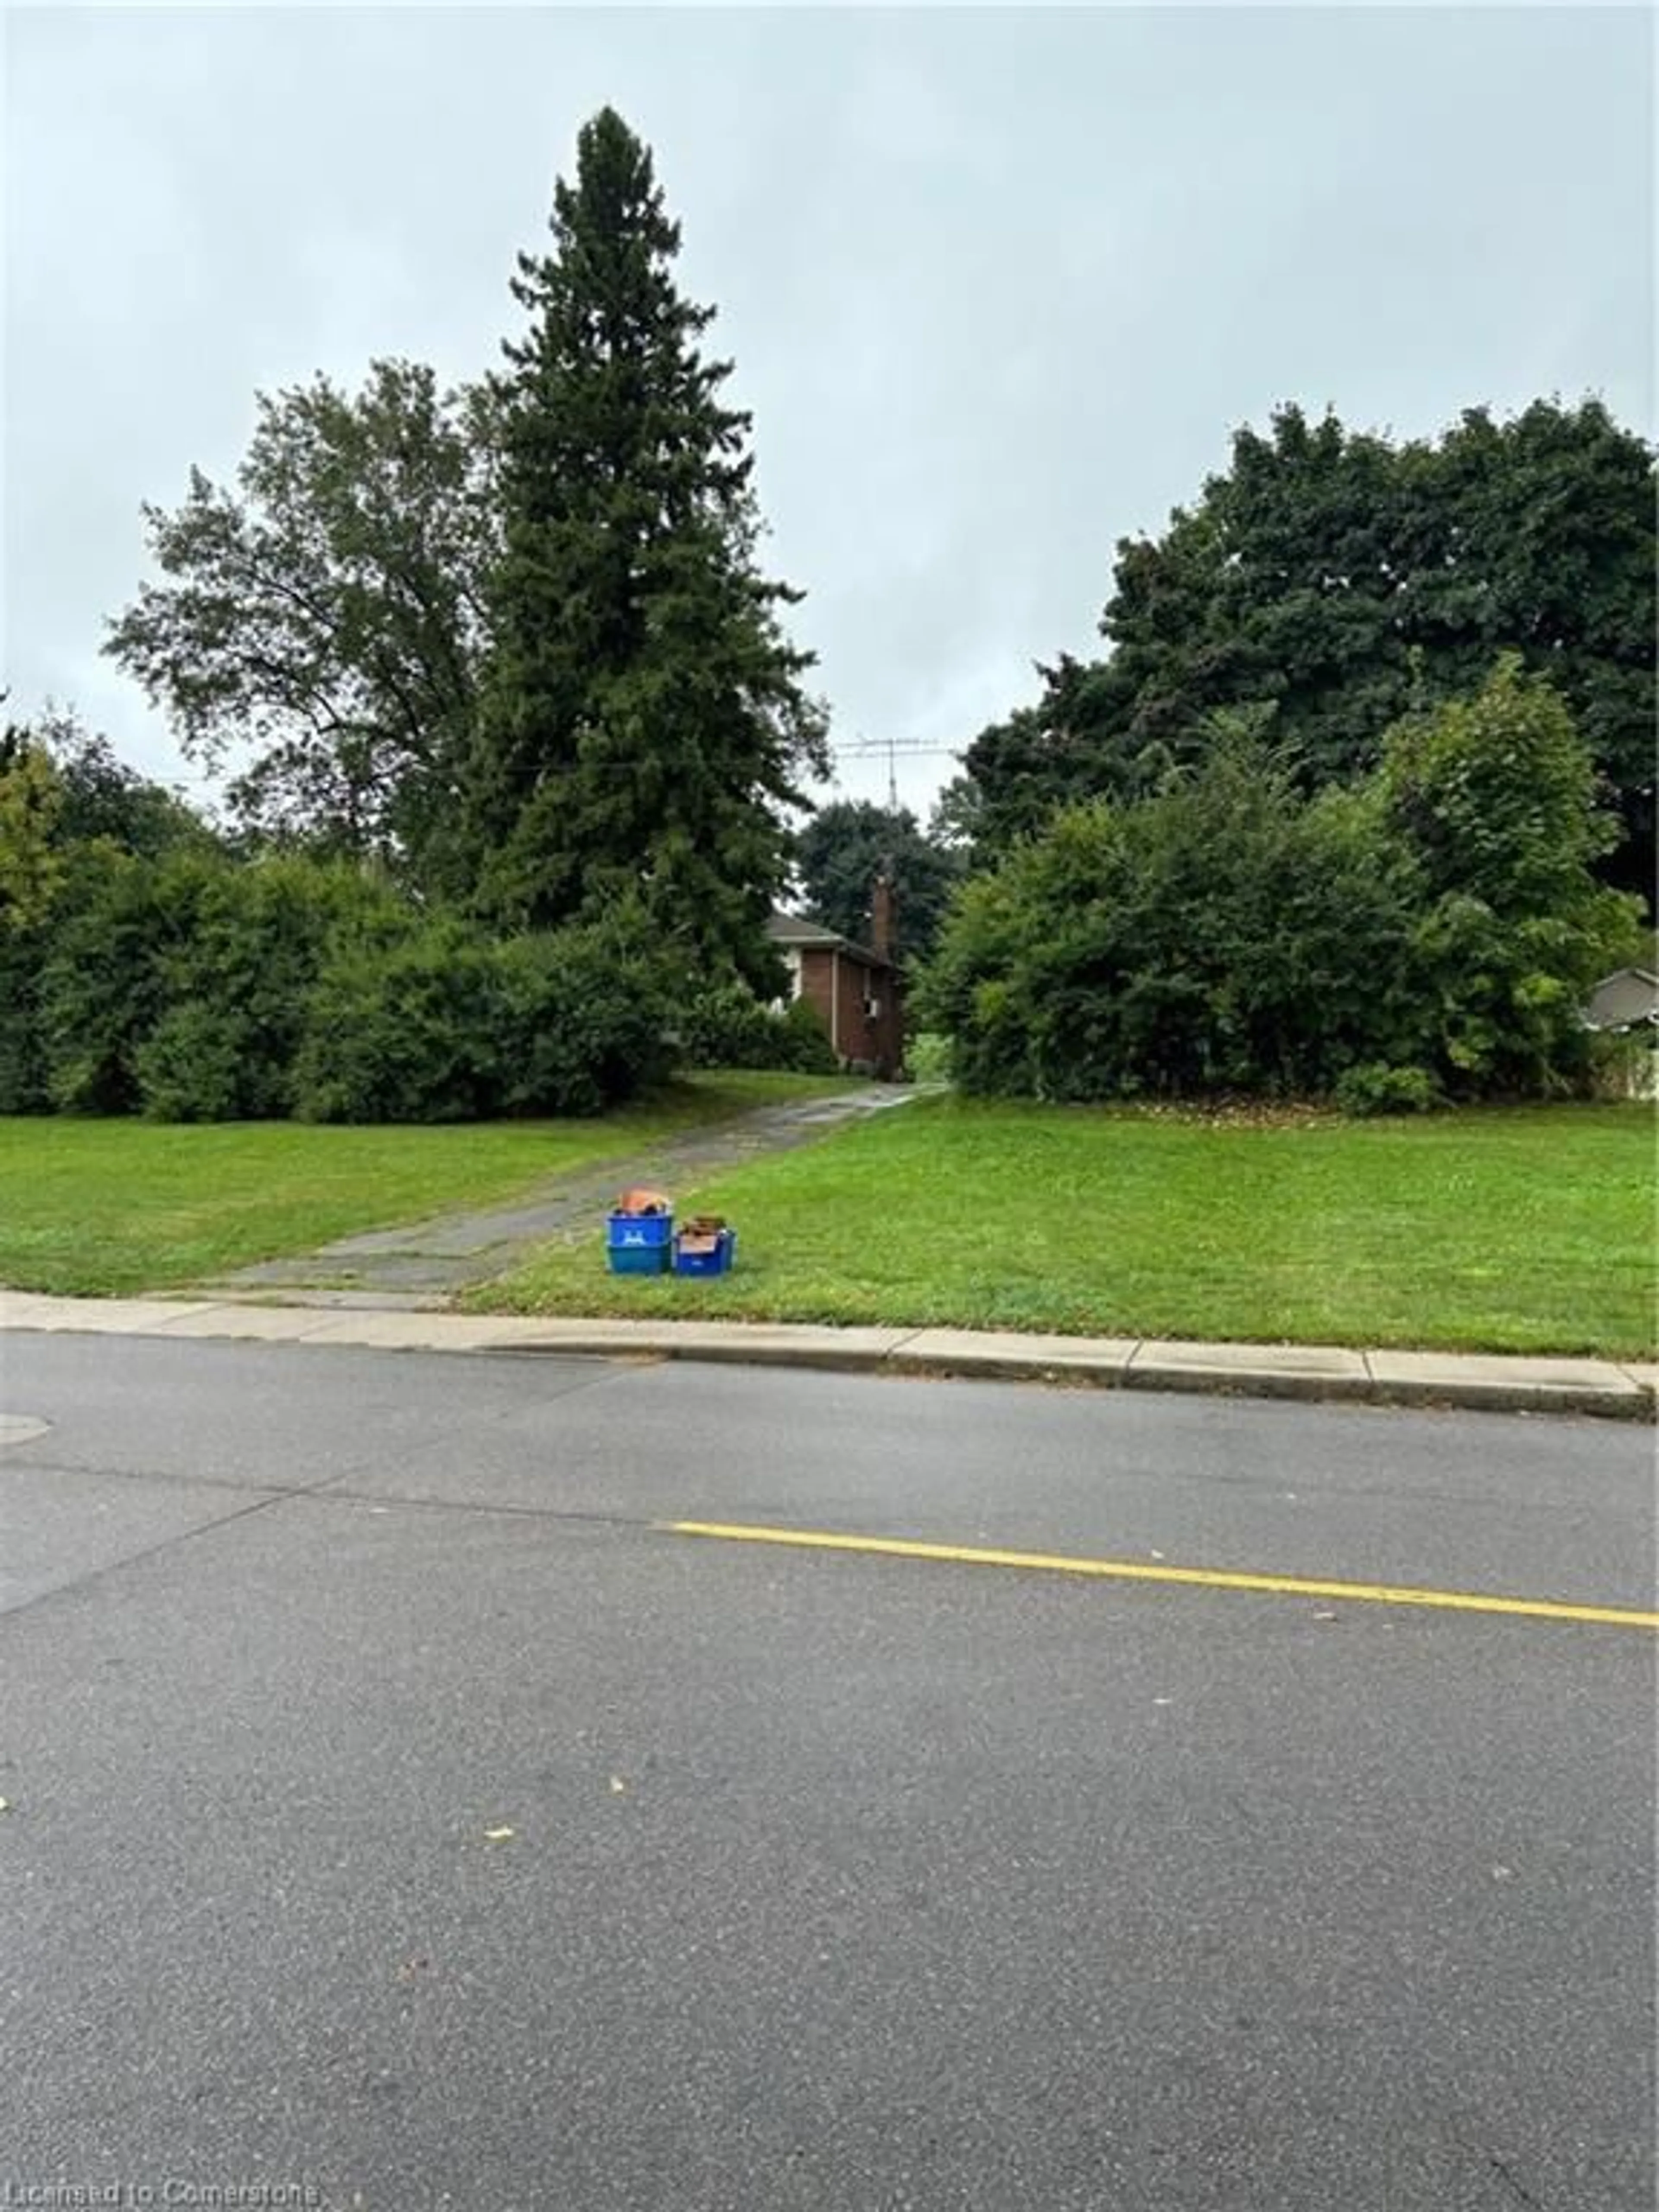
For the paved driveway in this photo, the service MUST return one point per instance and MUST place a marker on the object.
(424, 1263)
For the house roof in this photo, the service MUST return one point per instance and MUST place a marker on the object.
(806, 934)
(1621, 1000)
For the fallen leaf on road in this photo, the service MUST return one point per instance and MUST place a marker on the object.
(499, 1835)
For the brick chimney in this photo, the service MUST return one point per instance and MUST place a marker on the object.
(882, 914)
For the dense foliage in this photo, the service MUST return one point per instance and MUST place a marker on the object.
(103, 797)
(198, 990)
(1431, 932)
(728, 1026)
(451, 1025)
(513, 727)
(510, 640)
(1345, 581)
(847, 844)
(30, 813)
(146, 968)
(516, 734)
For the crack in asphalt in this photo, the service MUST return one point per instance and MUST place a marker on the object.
(328, 1491)
(1521, 2194)
(265, 1495)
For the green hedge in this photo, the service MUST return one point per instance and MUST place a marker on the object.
(192, 987)
(451, 1026)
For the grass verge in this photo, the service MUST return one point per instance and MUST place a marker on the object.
(99, 1208)
(1529, 1229)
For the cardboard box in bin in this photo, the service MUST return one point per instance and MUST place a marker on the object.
(705, 1247)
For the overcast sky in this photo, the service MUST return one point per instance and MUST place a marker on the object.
(998, 284)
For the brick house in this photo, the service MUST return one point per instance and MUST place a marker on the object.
(853, 989)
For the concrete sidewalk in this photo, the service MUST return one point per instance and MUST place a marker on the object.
(1268, 1371)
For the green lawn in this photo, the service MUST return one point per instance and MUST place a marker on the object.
(1529, 1229)
(105, 1207)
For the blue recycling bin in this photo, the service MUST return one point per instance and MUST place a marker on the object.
(639, 1243)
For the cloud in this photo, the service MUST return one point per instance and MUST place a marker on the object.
(997, 284)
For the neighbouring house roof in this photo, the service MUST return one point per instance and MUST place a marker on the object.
(806, 935)
(1624, 999)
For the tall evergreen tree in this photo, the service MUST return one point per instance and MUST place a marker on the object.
(642, 720)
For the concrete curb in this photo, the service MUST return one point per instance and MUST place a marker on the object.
(1316, 1373)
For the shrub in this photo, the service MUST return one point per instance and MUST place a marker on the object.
(586, 1014)
(1497, 796)
(1229, 934)
(725, 1025)
(192, 1066)
(22, 1054)
(803, 1047)
(451, 1025)
(408, 1033)
(192, 987)
(102, 983)
(927, 1058)
(1225, 935)
(150, 961)
(1373, 1088)
(238, 980)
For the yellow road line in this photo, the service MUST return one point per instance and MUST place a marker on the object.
(1137, 1571)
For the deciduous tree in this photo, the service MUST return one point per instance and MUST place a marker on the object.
(317, 627)
(104, 797)
(1345, 579)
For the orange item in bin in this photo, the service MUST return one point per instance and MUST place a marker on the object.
(640, 1200)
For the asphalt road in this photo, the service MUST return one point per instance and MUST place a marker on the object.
(398, 1812)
